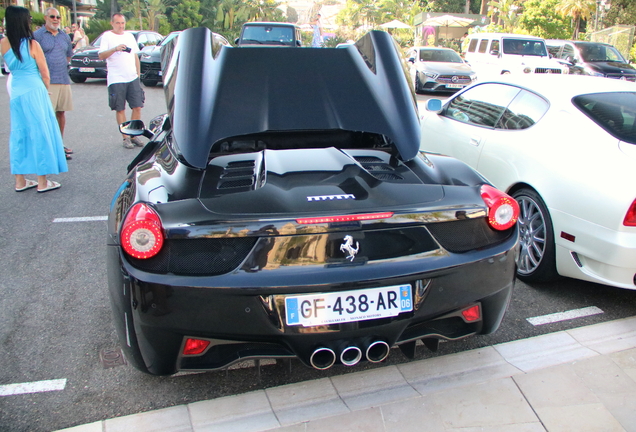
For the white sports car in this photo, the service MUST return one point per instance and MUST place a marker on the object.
(565, 148)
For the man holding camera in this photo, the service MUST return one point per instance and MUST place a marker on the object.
(120, 49)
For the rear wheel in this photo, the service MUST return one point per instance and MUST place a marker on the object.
(149, 82)
(78, 80)
(536, 261)
(417, 84)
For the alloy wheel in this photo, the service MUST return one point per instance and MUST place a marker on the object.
(532, 235)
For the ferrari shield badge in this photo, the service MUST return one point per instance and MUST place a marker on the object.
(347, 247)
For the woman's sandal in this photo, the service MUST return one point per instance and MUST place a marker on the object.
(50, 185)
(29, 184)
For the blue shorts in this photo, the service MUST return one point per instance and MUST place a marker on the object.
(120, 93)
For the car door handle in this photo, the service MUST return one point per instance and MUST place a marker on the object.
(475, 141)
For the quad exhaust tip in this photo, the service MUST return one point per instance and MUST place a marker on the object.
(350, 356)
(322, 358)
(378, 351)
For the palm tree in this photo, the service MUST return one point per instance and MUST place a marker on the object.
(155, 9)
(576, 9)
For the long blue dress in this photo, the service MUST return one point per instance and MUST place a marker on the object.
(35, 143)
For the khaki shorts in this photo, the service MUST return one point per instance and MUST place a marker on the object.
(61, 97)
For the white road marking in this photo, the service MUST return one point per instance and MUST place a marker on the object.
(81, 219)
(32, 387)
(564, 316)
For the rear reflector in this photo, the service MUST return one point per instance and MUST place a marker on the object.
(195, 346)
(473, 313)
(346, 218)
(630, 217)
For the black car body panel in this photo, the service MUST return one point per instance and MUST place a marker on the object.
(242, 178)
(216, 96)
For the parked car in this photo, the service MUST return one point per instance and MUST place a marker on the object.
(565, 148)
(438, 69)
(592, 58)
(269, 34)
(268, 218)
(86, 63)
(492, 54)
(150, 61)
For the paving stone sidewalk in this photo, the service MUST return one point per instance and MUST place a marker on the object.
(580, 380)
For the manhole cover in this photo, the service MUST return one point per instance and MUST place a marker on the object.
(111, 357)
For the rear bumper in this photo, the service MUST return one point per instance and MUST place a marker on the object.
(154, 315)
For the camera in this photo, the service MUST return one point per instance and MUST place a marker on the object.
(127, 49)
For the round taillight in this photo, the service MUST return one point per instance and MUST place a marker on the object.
(503, 210)
(142, 233)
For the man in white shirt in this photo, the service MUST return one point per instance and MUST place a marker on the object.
(120, 49)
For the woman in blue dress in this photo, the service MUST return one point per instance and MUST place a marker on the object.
(35, 143)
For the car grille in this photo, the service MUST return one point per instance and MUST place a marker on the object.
(547, 70)
(237, 175)
(631, 78)
(198, 257)
(469, 234)
(454, 79)
(378, 168)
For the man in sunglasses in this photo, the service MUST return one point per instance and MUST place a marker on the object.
(58, 50)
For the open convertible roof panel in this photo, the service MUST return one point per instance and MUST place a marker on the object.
(214, 92)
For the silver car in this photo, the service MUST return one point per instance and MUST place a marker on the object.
(438, 69)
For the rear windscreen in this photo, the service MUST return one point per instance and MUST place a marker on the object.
(615, 112)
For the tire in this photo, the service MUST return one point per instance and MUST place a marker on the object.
(417, 84)
(537, 258)
(78, 80)
(149, 82)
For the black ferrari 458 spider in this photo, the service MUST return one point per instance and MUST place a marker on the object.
(282, 209)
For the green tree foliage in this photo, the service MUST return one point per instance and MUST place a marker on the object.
(96, 27)
(505, 13)
(539, 18)
(577, 10)
(622, 12)
(102, 12)
(186, 15)
(292, 15)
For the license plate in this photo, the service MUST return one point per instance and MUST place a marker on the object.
(87, 70)
(455, 85)
(348, 306)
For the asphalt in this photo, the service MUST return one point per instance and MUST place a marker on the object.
(580, 380)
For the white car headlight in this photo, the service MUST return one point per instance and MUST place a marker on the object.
(593, 72)
(431, 75)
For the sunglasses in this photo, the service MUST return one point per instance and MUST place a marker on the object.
(55, 16)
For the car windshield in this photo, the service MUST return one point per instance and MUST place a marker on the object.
(524, 47)
(268, 35)
(615, 112)
(440, 56)
(600, 53)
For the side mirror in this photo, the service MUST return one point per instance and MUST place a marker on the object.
(411, 59)
(494, 52)
(434, 105)
(236, 41)
(134, 128)
(298, 43)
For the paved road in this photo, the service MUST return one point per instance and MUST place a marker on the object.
(55, 314)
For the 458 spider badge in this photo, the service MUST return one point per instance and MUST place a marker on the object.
(348, 248)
